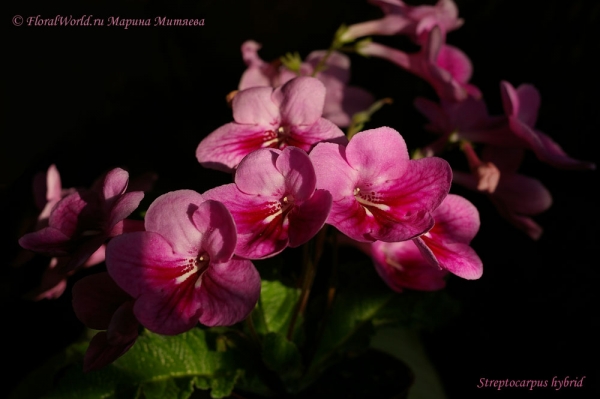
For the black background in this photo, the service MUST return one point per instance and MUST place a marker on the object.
(93, 98)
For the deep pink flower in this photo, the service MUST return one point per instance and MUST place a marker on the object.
(446, 68)
(180, 271)
(274, 202)
(402, 266)
(101, 305)
(81, 222)
(341, 100)
(403, 19)
(446, 245)
(521, 107)
(516, 197)
(289, 115)
(378, 192)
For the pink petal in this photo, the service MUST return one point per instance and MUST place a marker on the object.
(229, 292)
(170, 215)
(298, 173)
(401, 266)
(219, 238)
(162, 281)
(456, 62)
(254, 106)
(123, 327)
(529, 101)
(456, 219)
(301, 101)
(96, 298)
(546, 149)
(124, 206)
(332, 170)
(48, 241)
(523, 194)
(306, 137)
(337, 65)
(510, 99)
(224, 148)
(307, 218)
(66, 214)
(458, 258)
(115, 183)
(378, 154)
(100, 353)
(262, 231)
(257, 174)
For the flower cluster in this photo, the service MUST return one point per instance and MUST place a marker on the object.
(295, 172)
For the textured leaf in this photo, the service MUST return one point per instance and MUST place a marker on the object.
(283, 357)
(275, 307)
(159, 367)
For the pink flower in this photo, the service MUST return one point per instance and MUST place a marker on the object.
(521, 107)
(81, 222)
(446, 245)
(101, 305)
(341, 101)
(378, 192)
(446, 68)
(289, 115)
(274, 202)
(402, 266)
(403, 19)
(180, 271)
(516, 197)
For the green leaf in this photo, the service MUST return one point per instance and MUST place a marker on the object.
(275, 307)
(282, 357)
(158, 367)
(349, 326)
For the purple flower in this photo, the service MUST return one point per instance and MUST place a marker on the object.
(274, 202)
(180, 271)
(378, 192)
(341, 101)
(81, 222)
(289, 115)
(101, 305)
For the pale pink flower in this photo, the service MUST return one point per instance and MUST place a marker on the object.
(264, 117)
(341, 100)
(101, 305)
(378, 192)
(274, 202)
(403, 19)
(446, 68)
(181, 270)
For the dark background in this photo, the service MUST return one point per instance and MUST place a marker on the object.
(90, 99)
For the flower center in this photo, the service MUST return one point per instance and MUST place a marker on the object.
(368, 199)
(282, 207)
(276, 139)
(194, 267)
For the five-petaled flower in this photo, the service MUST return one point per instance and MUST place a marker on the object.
(81, 222)
(378, 192)
(264, 117)
(274, 202)
(181, 270)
